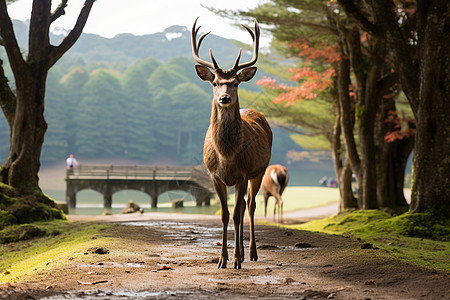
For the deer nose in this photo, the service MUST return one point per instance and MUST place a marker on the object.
(225, 99)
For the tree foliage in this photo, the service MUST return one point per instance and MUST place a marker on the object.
(343, 66)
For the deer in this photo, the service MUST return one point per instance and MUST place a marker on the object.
(273, 184)
(237, 146)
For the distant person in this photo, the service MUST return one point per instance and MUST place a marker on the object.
(332, 183)
(323, 181)
(71, 162)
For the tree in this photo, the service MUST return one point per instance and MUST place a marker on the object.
(314, 30)
(99, 128)
(417, 36)
(294, 26)
(139, 128)
(24, 108)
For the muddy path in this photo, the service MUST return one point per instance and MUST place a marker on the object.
(175, 257)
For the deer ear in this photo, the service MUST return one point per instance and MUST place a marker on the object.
(247, 74)
(204, 73)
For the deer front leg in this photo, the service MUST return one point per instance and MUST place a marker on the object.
(237, 220)
(241, 232)
(221, 191)
(255, 183)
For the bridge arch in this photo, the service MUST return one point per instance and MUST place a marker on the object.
(125, 195)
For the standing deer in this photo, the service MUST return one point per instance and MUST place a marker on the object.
(237, 145)
(274, 182)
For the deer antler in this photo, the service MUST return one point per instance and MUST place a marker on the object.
(255, 37)
(196, 47)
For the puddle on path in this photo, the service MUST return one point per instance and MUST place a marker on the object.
(201, 235)
(116, 295)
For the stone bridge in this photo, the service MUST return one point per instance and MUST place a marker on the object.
(152, 180)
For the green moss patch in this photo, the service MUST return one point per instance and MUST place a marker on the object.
(19, 209)
(418, 238)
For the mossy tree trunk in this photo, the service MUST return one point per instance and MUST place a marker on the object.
(24, 108)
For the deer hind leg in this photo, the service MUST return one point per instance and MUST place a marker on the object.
(275, 204)
(266, 201)
(221, 191)
(255, 183)
(241, 188)
(279, 203)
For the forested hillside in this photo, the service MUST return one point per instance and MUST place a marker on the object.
(131, 97)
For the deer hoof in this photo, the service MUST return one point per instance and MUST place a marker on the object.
(253, 256)
(222, 263)
(237, 264)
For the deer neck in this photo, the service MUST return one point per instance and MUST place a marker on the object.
(227, 134)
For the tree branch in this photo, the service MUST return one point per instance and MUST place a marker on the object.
(351, 10)
(400, 49)
(7, 97)
(8, 40)
(59, 11)
(57, 52)
(386, 82)
(38, 36)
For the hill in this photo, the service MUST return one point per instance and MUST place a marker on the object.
(128, 48)
(131, 97)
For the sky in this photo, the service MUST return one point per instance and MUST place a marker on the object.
(111, 17)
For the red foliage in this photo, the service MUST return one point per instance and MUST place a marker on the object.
(396, 132)
(310, 82)
(323, 51)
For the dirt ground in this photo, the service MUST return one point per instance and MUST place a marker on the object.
(159, 256)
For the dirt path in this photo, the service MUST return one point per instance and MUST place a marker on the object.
(159, 256)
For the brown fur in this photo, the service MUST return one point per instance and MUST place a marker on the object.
(236, 152)
(271, 188)
(237, 145)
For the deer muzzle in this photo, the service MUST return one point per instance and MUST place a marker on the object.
(224, 100)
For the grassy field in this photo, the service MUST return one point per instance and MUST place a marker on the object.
(296, 198)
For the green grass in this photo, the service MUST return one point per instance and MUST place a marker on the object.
(296, 198)
(416, 238)
(26, 258)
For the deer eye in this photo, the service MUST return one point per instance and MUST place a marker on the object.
(214, 84)
(236, 84)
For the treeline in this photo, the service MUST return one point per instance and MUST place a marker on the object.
(150, 112)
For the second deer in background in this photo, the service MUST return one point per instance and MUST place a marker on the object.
(274, 182)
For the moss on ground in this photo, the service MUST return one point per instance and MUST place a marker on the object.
(417, 238)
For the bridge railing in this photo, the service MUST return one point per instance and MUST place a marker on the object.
(129, 172)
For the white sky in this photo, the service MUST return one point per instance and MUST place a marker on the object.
(111, 17)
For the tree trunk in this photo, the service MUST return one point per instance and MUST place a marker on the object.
(431, 163)
(342, 170)
(393, 157)
(27, 135)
